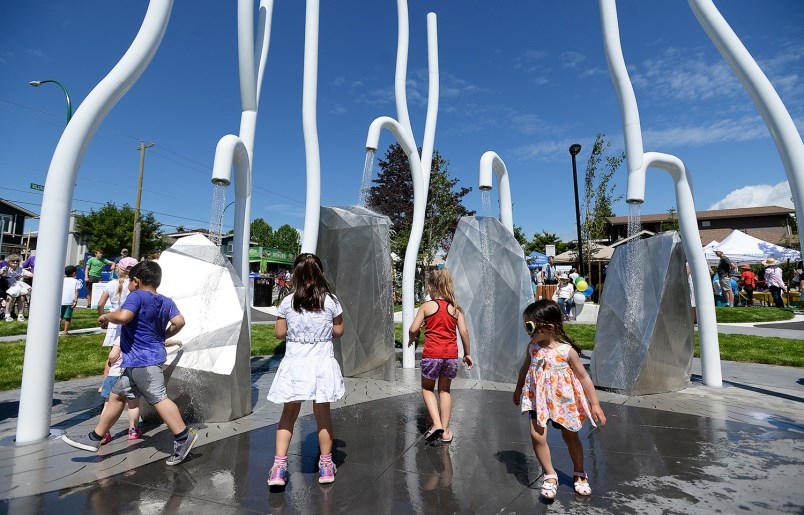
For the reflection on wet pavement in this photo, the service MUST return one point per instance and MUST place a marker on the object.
(642, 461)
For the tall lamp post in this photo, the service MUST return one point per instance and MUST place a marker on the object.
(574, 150)
(37, 83)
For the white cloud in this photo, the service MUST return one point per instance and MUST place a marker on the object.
(747, 128)
(757, 196)
(571, 59)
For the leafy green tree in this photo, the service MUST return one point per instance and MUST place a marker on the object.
(262, 233)
(519, 235)
(286, 238)
(671, 224)
(392, 195)
(111, 228)
(541, 240)
(599, 195)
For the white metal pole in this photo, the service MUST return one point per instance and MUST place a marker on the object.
(428, 140)
(312, 213)
(412, 251)
(777, 118)
(691, 240)
(36, 396)
(491, 161)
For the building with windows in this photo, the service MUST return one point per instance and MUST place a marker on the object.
(13, 239)
(773, 224)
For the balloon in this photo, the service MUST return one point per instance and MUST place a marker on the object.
(588, 292)
(581, 285)
(578, 279)
(579, 299)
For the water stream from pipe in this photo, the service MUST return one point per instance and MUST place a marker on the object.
(634, 292)
(216, 213)
(365, 183)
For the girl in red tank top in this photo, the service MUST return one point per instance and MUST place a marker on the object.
(441, 317)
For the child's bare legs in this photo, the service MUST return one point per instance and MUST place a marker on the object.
(133, 413)
(67, 322)
(538, 436)
(575, 448)
(284, 432)
(445, 401)
(430, 401)
(323, 420)
(112, 410)
(170, 414)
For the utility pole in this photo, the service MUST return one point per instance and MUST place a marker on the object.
(135, 245)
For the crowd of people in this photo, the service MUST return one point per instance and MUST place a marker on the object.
(734, 284)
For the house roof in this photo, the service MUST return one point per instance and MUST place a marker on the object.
(14, 206)
(710, 215)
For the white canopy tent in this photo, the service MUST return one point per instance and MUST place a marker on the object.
(743, 248)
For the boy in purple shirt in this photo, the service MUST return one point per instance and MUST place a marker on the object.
(144, 316)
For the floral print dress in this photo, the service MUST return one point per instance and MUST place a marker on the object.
(552, 390)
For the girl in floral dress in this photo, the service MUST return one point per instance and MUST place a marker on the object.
(554, 386)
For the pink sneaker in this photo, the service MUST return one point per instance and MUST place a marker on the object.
(134, 433)
(106, 438)
(326, 472)
(278, 475)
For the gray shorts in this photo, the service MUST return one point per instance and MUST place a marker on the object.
(148, 382)
(725, 282)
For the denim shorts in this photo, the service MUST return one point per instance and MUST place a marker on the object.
(148, 382)
(108, 385)
(433, 368)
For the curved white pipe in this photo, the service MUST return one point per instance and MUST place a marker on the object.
(432, 100)
(690, 239)
(263, 40)
(312, 212)
(36, 396)
(629, 111)
(232, 152)
(245, 54)
(405, 140)
(770, 106)
(401, 74)
(491, 161)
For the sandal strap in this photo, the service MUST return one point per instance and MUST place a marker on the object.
(545, 477)
(581, 475)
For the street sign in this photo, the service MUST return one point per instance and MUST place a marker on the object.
(37, 187)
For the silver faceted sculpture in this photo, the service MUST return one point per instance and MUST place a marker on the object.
(209, 376)
(355, 249)
(644, 337)
(493, 287)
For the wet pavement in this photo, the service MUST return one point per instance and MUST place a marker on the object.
(726, 450)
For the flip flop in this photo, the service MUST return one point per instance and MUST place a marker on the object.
(433, 434)
(444, 440)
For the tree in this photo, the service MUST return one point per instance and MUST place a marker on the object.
(671, 224)
(540, 241)
(262, 233)
(599, 195)
(392, 195)
(286, 238)
(520, 237)
(111, 228)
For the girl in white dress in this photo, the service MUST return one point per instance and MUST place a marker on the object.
(307, 321)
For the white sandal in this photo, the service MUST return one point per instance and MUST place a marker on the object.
(548, 490)
(581, 488)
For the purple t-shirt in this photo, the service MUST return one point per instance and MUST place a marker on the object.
(142, 341)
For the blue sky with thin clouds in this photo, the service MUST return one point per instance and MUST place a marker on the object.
(525, 79)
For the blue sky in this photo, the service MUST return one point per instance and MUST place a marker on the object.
(525, 79)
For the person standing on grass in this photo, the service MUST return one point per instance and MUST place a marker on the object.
(17, 289)
(442, 320)
(69, 296)
(724, 269)
(92, 273)
(149, 319)
(773, 276)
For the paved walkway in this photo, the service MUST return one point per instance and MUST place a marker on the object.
(739, 448)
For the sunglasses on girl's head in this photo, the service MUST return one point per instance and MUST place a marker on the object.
(532, 327)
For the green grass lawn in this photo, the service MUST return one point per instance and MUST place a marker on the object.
(82, 355)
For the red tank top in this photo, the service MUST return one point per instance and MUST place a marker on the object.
(440, 338)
